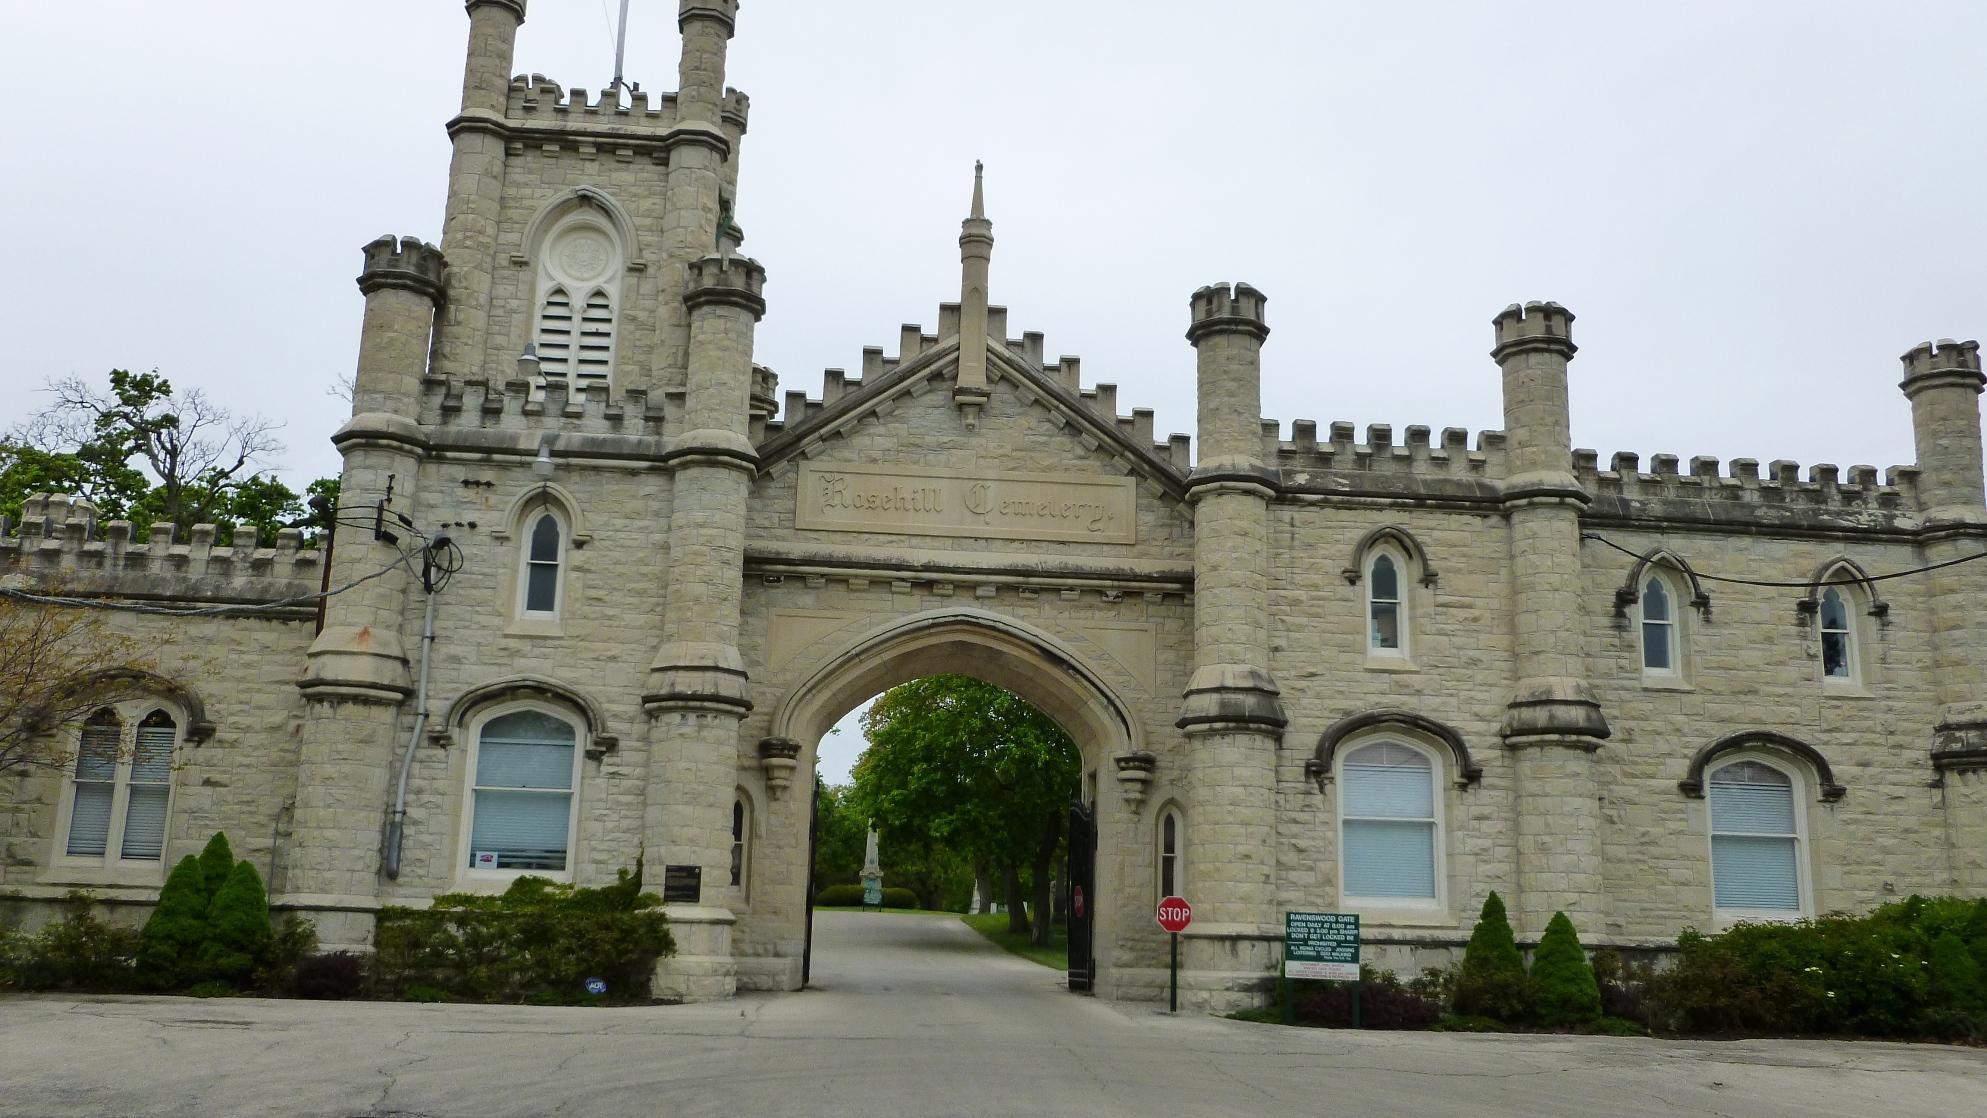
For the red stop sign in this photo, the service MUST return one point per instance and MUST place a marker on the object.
(1175, 914)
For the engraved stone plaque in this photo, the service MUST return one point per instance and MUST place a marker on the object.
(967, 503)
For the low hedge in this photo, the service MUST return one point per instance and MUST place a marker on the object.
(850, 896)
(540, 941)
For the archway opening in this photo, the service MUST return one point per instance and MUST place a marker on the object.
(999, 657)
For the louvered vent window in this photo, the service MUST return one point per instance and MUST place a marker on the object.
(596, 340)
(96, 785)
(151, 787)
(555, 334)
(121, 789)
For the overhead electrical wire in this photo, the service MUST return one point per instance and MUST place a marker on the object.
(1859, 580)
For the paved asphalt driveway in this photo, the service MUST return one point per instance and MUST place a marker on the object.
(912, 1015)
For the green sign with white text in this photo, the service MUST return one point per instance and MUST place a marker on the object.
(1321, 945)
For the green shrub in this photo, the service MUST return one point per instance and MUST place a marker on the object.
(217, 861)
(1955, 976)
(839, 896)
(213, 988)
(77, 952)
(540, 939)
(1492, 981)
(294, 940)
(898, 897)
(238, 930)
(169, 946)
(1563, 987)
(337, 974)
(1384, 1003)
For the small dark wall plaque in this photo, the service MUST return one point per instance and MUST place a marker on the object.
(683, 883)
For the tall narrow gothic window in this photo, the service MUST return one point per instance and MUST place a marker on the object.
(121, 789)
(1838, 637)
(1384, 606)
(1659, 628)
(741, 821)
(1388, 824)
(522, 781)
(1755, 840)
(1170, 835)
(579, 289)
(544, 554)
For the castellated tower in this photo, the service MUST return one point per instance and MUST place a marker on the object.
(1553, 724)
(583, 328)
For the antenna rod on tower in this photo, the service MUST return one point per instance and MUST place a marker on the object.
(620, 48)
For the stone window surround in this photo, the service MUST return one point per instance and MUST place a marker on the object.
(468, 879)
(1860, 597)
(744, 842)
(1803, 780)
(1169, 810)
(1685, 588)
(540, 497)
(110, 868)
(589, 209)
(1412, 570)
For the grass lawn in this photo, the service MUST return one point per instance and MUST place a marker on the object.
(993, 925)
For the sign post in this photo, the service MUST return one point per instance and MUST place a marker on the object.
(1321, 945)
(1174, 915)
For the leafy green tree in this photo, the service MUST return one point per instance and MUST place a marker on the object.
(1563, 986)
(169, 945)
(238, 928)
(960, 765)
(1492, 981)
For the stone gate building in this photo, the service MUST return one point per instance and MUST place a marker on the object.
(1307, 669)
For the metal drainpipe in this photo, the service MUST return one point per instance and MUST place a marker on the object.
(396, 827)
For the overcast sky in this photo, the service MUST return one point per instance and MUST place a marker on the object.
(1752, 207)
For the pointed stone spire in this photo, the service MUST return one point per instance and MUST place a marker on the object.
(975, 255)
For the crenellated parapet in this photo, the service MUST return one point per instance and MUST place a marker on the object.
(1220, 308)
(60, 543)
(407, 263)
(1416, 453)
(523, 404)
(537, 102)
(1742, 480)
(722, 279)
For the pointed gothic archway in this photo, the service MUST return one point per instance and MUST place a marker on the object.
(1008, 653)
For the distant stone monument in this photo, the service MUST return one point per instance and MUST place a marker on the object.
(872, 874)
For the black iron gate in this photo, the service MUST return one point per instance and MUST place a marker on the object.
(813, 842)
(1081, 874)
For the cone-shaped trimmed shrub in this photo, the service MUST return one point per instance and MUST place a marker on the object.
(216, 863)
(238, 930)
(1956, 976)
(1563, 986)
(1492, 981)
(169, 945)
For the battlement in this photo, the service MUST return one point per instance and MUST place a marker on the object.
(722, 277)
(1417, 453)
(1947, 361)
(1218, 308)
(60, 541)
(1780, 483)
(405, 262)
(528, 402)
(1535, 325)
(539, 102)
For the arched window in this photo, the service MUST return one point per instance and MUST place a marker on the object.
(1838, 637)
(741, 834)
(580, 265)
(1172, 866)
(120, 796)
(1756, 840)
(1389, 825)
(539, 587)
(523, 777)
(1660, 647)
(1386, 609)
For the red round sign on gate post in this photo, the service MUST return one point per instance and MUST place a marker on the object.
(1175, 914)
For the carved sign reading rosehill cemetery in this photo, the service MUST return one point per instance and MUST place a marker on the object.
(963, 503)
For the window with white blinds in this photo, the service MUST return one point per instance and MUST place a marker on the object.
(1388, 823)
(120, 792)
(1755, 839)
(521, 815)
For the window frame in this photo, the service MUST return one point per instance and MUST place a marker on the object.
(1170, 813)
(1800, 788)
(496, 880)
(1403, 607)
(1675, 673)
(533, 516)
(741, 844)
(1409, 907)
(1847, 585)
(112, 867)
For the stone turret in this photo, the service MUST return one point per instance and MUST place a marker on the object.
(476, 180)
(698, 692)
(402, 282)
(698, 151)
(1231, 711)
(1553, 722)
(1944, 382)
(975, 259)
